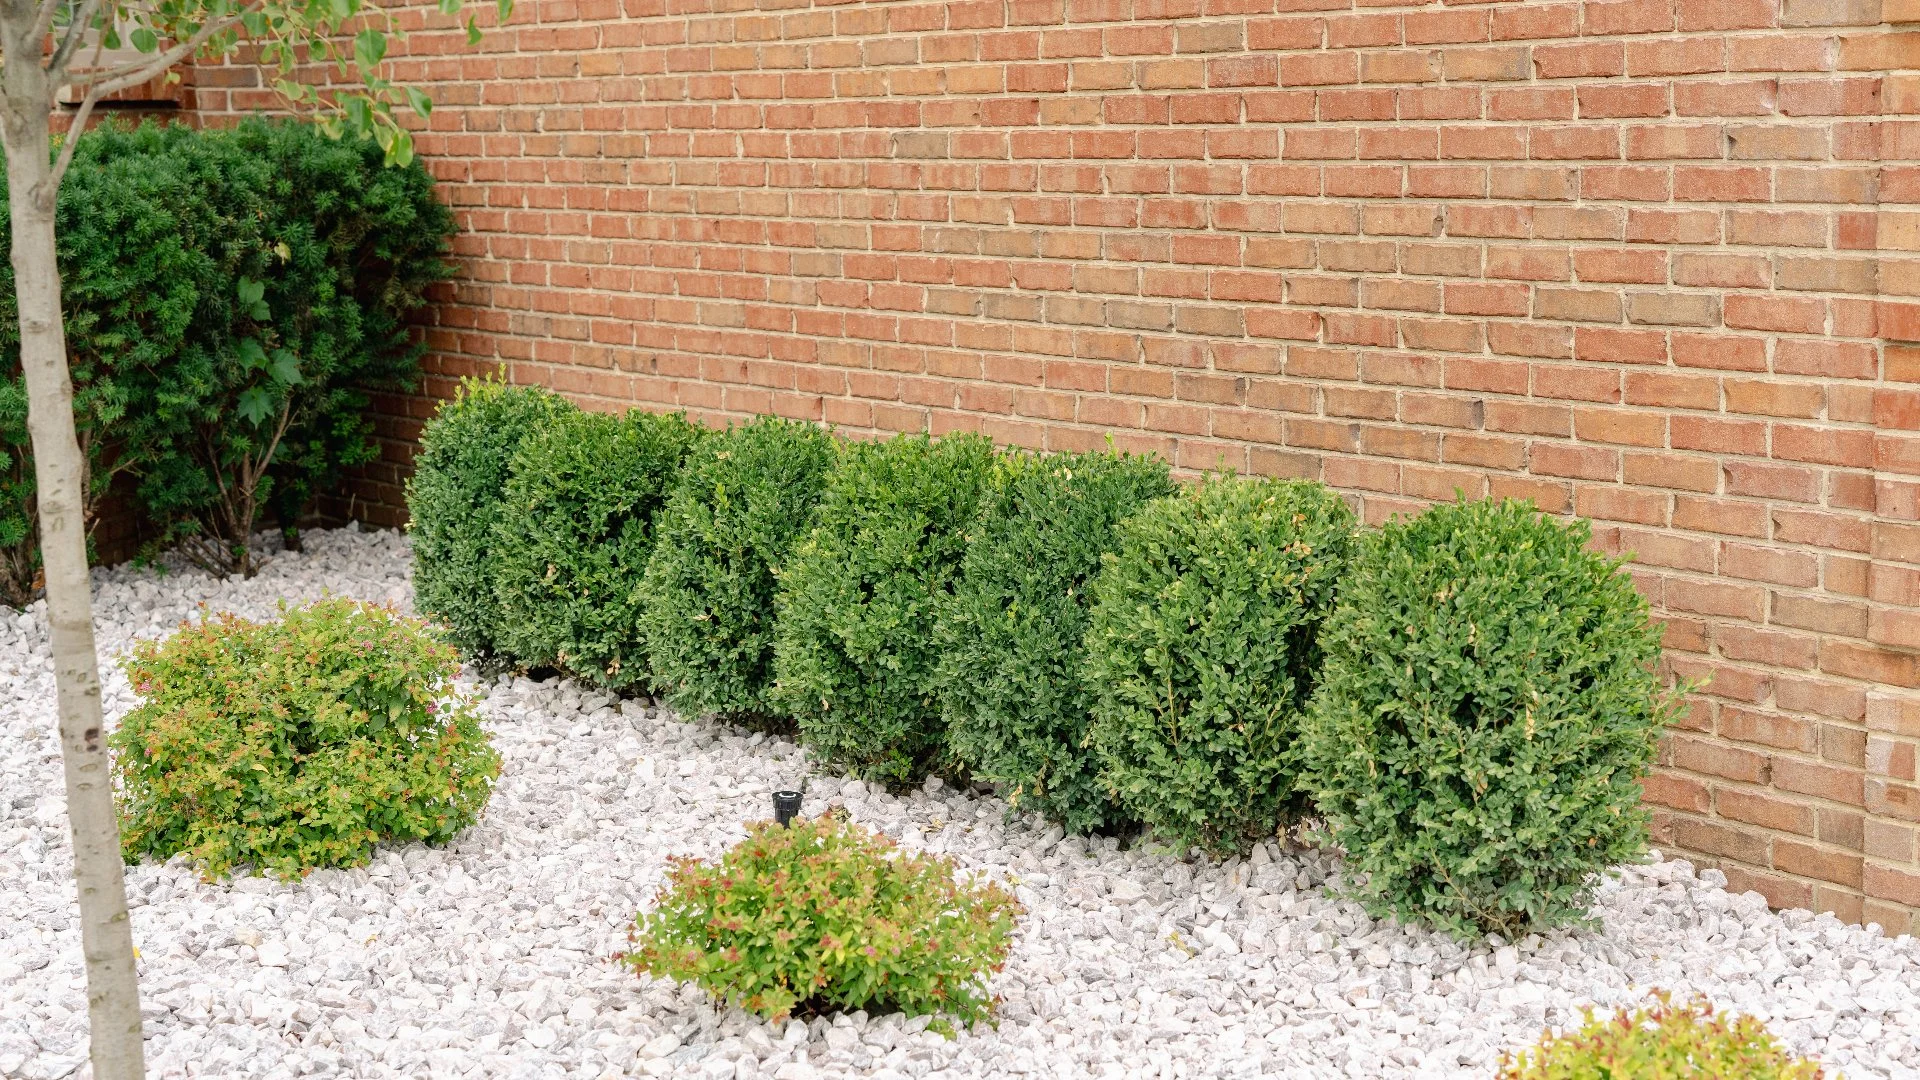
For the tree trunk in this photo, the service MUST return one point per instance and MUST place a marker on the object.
(106, 936)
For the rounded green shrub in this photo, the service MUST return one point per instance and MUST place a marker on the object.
(455, 497)
(1662, 1041)
(1016, 705)
(825, 915)
(1201, 650)
(1487, 708)
(707, 601)
(297, 744)
(573, 538)
(855, 658)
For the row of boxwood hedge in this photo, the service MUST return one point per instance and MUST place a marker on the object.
(1467, 699)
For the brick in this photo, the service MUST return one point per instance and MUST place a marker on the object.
(1678, 792)
(1716, 598)
(1821, 781)
(1767, 810)
(1894, 713)
(1806, 860)
(1900, 885)
(1673, 309)
(1714, 839)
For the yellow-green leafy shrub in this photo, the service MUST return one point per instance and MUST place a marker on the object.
(824, 915)
(1661, 1041)
(1202, 649)
(1486, 710)
(297, 744)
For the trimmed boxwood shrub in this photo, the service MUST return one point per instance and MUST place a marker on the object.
(574, 536)
(826, 915)
(854, 652)
(707, 601)
(297, 744)
(1662, 1041)
(1201, 651)
(455, 496)
(1487, 708)
(1017, 707)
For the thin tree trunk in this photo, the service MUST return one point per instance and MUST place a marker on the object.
(106, 936)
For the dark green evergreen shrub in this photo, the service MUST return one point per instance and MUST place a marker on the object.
(19, 544)
(1016, 705)
(231, 296)
(297, 743)
(142, 255)
(854, 650)
(1486, 710)
(707, 602)
(454, 498)
(573, 538)
(1201, 652)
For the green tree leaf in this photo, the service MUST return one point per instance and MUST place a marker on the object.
(251, 354)
(254, 406)
(369, 48)
(285, 368)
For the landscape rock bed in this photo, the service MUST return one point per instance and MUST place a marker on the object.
(492, 957)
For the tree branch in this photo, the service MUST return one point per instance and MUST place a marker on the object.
(71, 41)
(43, 20)
(114, 80)
(129, 75)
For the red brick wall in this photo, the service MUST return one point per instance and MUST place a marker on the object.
(1647, 261)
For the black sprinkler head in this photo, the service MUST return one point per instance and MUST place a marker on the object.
(786, 805)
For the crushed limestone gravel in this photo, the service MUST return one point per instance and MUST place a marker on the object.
(491, 957)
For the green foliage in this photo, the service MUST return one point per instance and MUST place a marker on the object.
(455, 497)
(139, 245)
(19, 547)
(1201, 650)
(1016, 705)
(1662, 1041)
(1486, 710)
(854, 651)
(349, 38)
(573, 538)
(707, 601)
(230, 298)
(297, 744)
(825, 915)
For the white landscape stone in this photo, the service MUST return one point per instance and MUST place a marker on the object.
(493, 957)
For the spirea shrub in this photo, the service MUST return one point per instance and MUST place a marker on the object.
(1486, 710)
(707, 601)
(1201, 650)
(297, 744)
(1662, 1041)
(854, 652)
(573, 538)
(825, 915)
(1016, 704)
(455, 497)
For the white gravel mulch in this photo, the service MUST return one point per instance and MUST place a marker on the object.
(491, 957)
